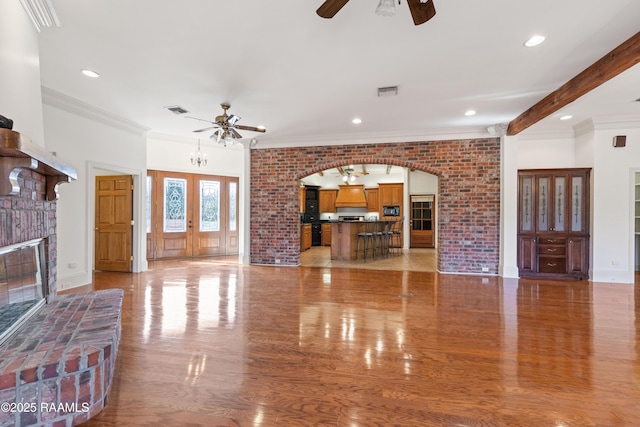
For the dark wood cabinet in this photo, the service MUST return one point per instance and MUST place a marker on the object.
(553, 223)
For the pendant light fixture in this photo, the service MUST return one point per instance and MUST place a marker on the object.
(198, 158)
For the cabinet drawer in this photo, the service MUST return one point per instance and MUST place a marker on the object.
(548, 264)
(552, 250)
(552, 240)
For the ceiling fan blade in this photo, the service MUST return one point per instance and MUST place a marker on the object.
(235, 134)
(232, 119)
(330, 7)
(205, 129)
(421, 12)
(251, 128)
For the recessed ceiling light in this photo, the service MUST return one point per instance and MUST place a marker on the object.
(356, 121)
(534, 40)
(567, 117)
(470, 113)
(90, 73)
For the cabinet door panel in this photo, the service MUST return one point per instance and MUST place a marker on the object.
(559, 204)
(527, 255)
(577, 256)
(525, 204)
(544, 204)
(578, 198)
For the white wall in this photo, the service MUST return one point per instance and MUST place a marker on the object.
(93, 142)
(170, 153)
(613, 202)
(20, 98)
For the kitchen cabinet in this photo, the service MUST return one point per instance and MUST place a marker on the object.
(326, 234)
(328, 200)
(372, 199)
(553, 223)
(390, 194)
(303, 199)
(305, 237)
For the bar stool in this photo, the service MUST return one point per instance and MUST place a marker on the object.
(396, 235)
(385, 237)
(367, 236)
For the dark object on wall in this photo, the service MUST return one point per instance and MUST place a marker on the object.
(5, 122)
(619, 141)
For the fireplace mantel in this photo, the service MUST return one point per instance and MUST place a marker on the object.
(17, 151)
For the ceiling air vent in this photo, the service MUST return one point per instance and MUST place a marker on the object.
(176, 109)
(388, 91)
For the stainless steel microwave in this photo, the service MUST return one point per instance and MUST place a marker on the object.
(391, 211)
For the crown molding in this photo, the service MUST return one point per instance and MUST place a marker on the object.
(441, 134)
(64, 102)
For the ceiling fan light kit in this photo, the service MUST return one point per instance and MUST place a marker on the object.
(386, 8)
(225, 127)
(421, 11)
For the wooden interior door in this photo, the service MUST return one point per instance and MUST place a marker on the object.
(173, 219)
(113, 223)
(422, 221)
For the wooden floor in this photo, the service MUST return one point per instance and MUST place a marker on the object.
(214, 343)
(412, 260)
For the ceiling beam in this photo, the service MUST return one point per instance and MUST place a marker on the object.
(613, 63)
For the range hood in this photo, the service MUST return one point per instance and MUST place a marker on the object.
(351, 196)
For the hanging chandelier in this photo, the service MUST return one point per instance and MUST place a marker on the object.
(198, 158)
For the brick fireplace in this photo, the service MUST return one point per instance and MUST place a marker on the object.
(56, 367)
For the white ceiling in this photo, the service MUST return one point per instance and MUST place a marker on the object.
(305, 78)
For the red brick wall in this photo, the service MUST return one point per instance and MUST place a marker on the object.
(468, 199)
(27, 216)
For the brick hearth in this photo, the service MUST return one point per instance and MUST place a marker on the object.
(57, 371)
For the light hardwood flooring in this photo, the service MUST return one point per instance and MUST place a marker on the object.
(209, 342)
(407, 260)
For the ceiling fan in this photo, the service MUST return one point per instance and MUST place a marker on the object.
(225, 127)
(349, 174)
(421, 11)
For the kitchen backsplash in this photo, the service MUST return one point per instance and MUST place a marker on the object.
(333, 216)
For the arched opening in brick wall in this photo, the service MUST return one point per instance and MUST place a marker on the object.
(468, 204)
(358, 161)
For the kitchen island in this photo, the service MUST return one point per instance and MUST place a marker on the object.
(344, 238)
